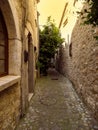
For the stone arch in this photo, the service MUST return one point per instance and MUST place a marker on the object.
(11, 19)
(14, 42)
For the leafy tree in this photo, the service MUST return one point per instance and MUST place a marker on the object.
(50, 39)
(91, 12)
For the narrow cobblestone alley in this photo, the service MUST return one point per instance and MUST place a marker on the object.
(56, 106)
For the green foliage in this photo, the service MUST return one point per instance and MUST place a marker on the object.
(50, 39)
(91, 13)
(96, 37)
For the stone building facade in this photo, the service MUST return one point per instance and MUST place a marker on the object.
(18, 56)
(78, 56)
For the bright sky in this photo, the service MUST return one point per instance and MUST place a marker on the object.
(53, 8)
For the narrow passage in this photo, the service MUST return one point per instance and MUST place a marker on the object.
(56, 106)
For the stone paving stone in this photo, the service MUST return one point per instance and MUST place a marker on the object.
(56, 106)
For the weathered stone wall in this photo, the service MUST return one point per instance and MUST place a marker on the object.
(82, 66)
(84, 72)
(9, 85)
(27, 17)
(9, 107)
(21, 19)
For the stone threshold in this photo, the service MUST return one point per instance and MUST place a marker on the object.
(8, 81)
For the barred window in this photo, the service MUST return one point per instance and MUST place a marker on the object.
(3, 47)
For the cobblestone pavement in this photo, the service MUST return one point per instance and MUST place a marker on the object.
(56, 106)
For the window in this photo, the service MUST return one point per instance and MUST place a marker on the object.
(65, 22)
(3, 47)
(70, 49)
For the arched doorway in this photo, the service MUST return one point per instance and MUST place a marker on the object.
(30, 65)
(3, 47)
(14, 42)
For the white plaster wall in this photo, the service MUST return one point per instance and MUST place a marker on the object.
(72, 16)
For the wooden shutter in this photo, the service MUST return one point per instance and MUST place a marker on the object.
(3, 47)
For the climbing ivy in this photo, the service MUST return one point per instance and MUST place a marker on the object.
(91, 13)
